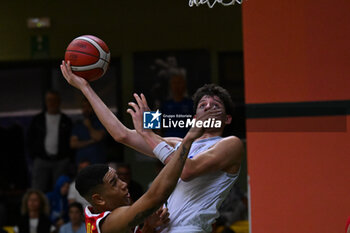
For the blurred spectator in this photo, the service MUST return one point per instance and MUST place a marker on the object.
(34, 214)
(233, 209)
(135, 189)
(48, 139)
(76, 222)
(58, 202)
(178, 103)
(73, 194)
(87, 136)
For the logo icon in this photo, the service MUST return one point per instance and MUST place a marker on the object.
(151, 120)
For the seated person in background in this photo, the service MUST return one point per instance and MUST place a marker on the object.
(76, 219)
(233, 209)
(58, 202)
(34, 214)
(73, 195)
(87, 136)
(135, 189)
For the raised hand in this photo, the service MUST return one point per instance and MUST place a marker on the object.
(137, 112)
(72, 79)
(158, 220)
(197, 131)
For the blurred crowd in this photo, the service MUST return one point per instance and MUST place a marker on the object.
(38, 166)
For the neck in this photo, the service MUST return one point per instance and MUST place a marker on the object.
(33, 214)
(76, 224)
(210, 134)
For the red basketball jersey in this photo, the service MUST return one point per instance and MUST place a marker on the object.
(92, 221)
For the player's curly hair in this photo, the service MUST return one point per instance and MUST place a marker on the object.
(214, 90)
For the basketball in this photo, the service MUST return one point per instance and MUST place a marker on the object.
(89, 57)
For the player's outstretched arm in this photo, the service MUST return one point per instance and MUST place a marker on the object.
(116, 129)
(122, 219)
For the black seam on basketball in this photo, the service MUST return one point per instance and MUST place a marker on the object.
(94, 45)
(87, 54)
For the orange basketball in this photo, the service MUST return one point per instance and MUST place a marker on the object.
(89, 57)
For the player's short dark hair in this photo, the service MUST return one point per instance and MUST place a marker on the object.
(214, 90)
(89, 179)
(76, 205)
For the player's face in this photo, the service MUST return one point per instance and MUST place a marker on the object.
(209, 102)
(115, 192)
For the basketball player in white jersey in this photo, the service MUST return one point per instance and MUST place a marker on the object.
(213, 162)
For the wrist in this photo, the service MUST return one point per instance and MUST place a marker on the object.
(151, 139)
(162, 151)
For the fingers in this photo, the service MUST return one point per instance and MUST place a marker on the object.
(164, 213)
(63, 69)
(138, 100)
(134, 106)
(131, 112)
(69, 67)
(211, 113)
(144, 101)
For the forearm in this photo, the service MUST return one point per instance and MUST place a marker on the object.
(152, 139)
(115, 128)
(167, 179)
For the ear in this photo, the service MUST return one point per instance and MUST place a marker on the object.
(228, 119)
(97, 199)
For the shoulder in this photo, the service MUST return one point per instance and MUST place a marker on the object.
(95, 220)
(65, 227)
(232, 140)
(115, 221)
(231, 146)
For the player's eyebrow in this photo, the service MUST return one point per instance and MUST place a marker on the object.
(214, 99)
(113, 180)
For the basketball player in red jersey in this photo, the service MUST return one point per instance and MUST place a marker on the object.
(110, 211)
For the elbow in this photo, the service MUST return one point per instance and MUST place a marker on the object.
(120, 137)
(186, 175)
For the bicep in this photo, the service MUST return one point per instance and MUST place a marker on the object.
(223, 156)
(124, 218)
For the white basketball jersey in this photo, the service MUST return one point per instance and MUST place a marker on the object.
(193, 206)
